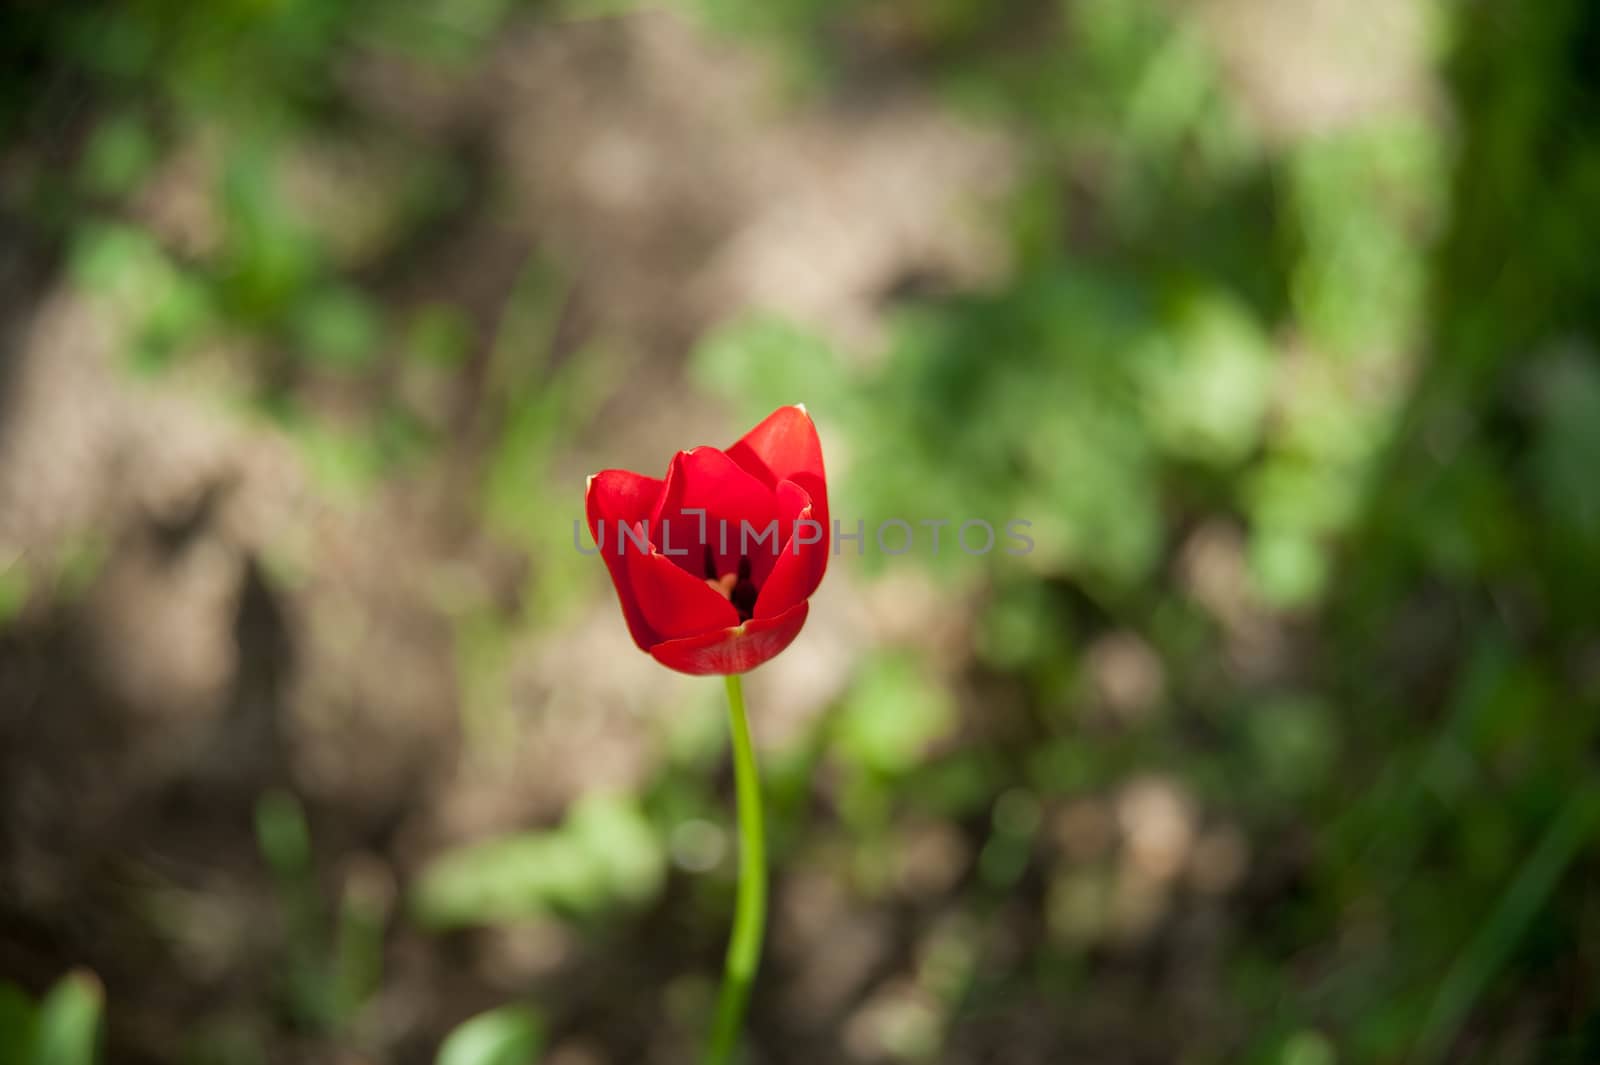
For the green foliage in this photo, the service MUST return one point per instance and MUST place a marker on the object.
(892, 715)
(62, 1029)
(337, 327)
(284, 839)
(1295, 743)
(762, 362)
(67, 1026)
(606, 854)
(510, 1035)
(439, 334)
(329, 965)
(118, 157)
(1206, 379)
(14, 586)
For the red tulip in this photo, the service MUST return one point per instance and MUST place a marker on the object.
(702, 589)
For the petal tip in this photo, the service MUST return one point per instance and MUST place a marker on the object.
(801, 407)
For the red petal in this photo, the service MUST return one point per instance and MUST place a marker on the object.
(784, 447)
(675, 603)
(706, 479)
(799, 568)
(764, 556)
(615, 495)
(734, 650)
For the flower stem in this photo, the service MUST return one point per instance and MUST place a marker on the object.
(749, 913)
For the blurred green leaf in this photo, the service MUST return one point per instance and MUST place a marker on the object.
(117, 157)
(1295, 744)
(614, 833)
(363, 915)
(893, 712)
(18, 1025)
(1537, 876)
(1290, 568)
(68, 1022)
(509, 1035)
(344, 459)
(270, 256)
(282, 834)
(78, 563)
(450, 34)
(337, 327)
(111, 258)
(1207, 379)
(606, 854)
(14, 587)
(439, 334)
(1308, 1048)
(764, 362)
(1568, 450)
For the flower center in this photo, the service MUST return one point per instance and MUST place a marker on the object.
(736, 587)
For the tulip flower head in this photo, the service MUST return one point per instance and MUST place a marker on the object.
(714, 564)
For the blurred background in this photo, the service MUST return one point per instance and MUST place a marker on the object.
(1277, 318)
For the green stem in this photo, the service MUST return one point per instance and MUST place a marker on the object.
(749, 913)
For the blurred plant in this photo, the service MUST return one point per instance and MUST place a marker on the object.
(61, 1029)
(331, 964)
(606, 854)
(508, 1035)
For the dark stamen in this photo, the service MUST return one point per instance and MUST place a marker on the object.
(711, 564)
(744, 592)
